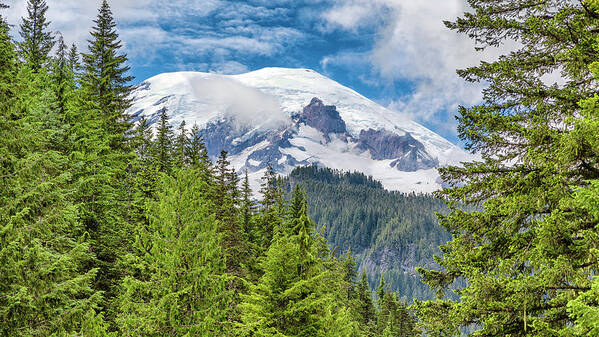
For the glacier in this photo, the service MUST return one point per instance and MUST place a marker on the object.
(289, 117)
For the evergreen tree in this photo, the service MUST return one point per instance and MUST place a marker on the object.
(104, 79)
(365, 310)
(178, 285)
(163, 145)
(180, 146)
(8, 67)
(37, 41)
(73, 59)
(103, 151)
(46, 275)
(197, 155)
(63, 77)
(270, 218)
(521, 268)
(294, 296)
(248, 206)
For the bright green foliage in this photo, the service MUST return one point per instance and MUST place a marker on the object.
(394, 317)
(296, 296)
(102, 151)
(8, 68)
(45, 257)
(94, 326)
(523, 254)
(37, 40)
(226, 199)
(177, 286)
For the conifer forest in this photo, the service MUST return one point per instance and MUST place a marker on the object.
(120, 225)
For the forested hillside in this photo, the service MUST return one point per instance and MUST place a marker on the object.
(390, 233)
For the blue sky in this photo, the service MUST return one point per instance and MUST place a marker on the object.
(396, 52)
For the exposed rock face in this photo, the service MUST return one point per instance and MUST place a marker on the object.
(323, 118)
(409, 154)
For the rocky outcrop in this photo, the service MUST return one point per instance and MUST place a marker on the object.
(409, 154)
(324, 118)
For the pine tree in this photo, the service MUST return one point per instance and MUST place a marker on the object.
(63, 77)
(178, 284)
(73, 57)
(46, 271)
(197, 155)
(296, 295)
(103, 151)
(180, 145)
(163, 145)
(104, 79)
(8, 67)
(365, 311)
(270, 215)
(37, 41)
(520, 268)
(248, 206)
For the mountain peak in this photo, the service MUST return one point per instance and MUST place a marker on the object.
(292, 117)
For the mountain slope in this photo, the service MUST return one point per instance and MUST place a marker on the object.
(389, 233)
(293, 117)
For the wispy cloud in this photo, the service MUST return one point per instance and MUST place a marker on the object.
(221, 33)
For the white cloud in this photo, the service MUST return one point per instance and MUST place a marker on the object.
(413, 44)
(247, 106)
(140, 24)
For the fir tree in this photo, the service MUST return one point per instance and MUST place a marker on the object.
(197, 155)
(365, 310)
(248, 206)
(37, 41)
(74, 60)
(296, 295)
(178, 286)
(163, 145)
(8, 67)
(46, 271)
(63, 77)
(180, 145)
(102, 148)
(104, 79)
(521, 269)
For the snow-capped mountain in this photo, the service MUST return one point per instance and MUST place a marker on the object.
(291, 117)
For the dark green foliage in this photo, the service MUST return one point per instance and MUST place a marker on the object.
(163, 145)
(63, 77)
(104, 80)
(388, 232)
(104, 171)
(296, 294)
(180, 146)
(37, 41)
(73, 57)
(8, 68)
